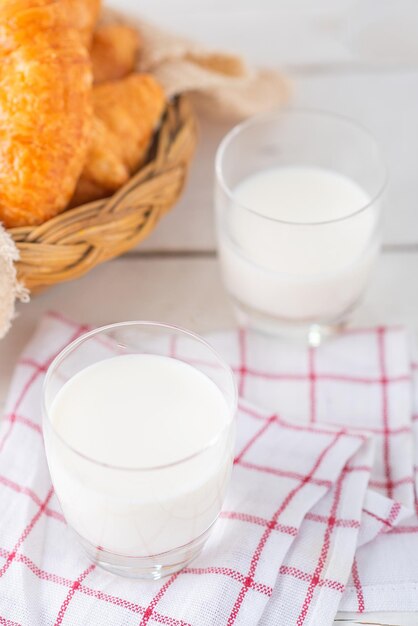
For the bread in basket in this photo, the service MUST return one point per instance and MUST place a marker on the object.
(73, 242)
(36, 255)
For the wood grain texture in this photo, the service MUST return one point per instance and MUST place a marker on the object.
(294, 32)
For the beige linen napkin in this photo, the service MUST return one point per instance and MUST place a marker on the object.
(10, 288)
(221, 84)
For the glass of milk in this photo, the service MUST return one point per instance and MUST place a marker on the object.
(139, 424)
(298, 205)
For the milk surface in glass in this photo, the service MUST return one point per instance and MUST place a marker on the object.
(139, 411)
(287, 248)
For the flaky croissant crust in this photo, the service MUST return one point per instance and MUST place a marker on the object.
(45, 109)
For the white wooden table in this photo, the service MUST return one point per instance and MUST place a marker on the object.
(354, 57)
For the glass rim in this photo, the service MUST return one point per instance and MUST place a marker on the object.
(290, 112)
(178, 329)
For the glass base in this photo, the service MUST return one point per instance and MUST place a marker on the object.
(303, 332)
(147, 567)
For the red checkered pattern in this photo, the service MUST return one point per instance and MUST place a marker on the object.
(322, 496)
(383, 567)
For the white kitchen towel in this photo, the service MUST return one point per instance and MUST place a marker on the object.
(323, 477)
(367, 380)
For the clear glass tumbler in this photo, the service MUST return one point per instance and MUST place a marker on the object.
(298, 204)
(142, 519)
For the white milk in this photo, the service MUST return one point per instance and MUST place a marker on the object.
(307, 270)
(140, 411)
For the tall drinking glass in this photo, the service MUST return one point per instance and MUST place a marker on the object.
(139, 432)
(298, 206)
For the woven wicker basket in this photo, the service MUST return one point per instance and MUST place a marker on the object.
(72, 243)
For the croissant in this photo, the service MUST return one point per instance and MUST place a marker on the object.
(113, 52)
(82, 15)
(45, 109)
(126, 113)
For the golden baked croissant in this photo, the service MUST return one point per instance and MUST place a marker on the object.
(82, 15)
(105, 170)
(45, 110)
(113, 52)
(126, 113)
